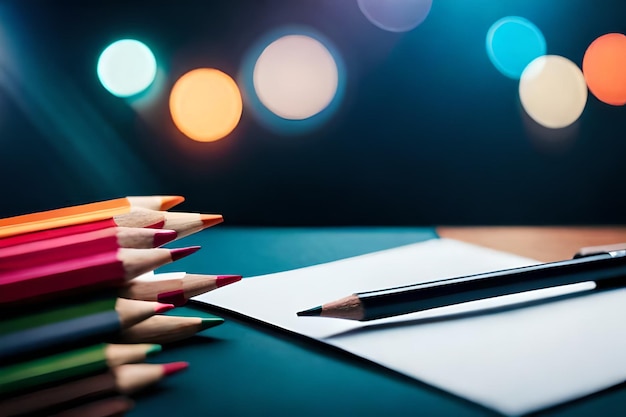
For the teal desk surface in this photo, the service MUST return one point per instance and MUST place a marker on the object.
(243, 368)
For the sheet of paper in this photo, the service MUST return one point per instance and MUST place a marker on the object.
(513, 360)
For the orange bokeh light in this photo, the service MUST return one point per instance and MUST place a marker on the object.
(205, 104)
(604, 67)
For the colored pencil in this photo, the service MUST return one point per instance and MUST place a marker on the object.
(607, 270)
(103, 269)
(71, 325)
(124, 379)
(106, 407)
(176, 289)
(65, 216)
(82, 244)
(70, 364)
(127, 237)
(84, 213)
(188, 223)
(155, 202)
(183, 223)
(166, 329)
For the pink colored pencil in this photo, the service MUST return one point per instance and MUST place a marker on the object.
(82, 245)
(108, 268)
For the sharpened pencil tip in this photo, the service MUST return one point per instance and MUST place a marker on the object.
(222, 280)
(207, 323)
(209, 220)
(173, 367)
(176, 297)
(162, 308)
(157, 225)
(169, 201)
(164, 236)
(179, 253)
(153, 349)
(313, 312)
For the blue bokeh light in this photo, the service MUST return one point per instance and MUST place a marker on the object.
(512, 43)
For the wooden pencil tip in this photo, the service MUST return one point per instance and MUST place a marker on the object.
(173, 367)
(209, 220)
(207, 323)
(161, 237)
(162, 308)
(179, 253)
(169, 201)
(222, 280)
(311, 312)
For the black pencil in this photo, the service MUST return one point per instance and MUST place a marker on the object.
(605, 269)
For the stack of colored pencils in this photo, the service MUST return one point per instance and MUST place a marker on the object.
(82, 309)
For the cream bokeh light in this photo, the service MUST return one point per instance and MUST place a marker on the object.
(206, 104)
(553, 91)
(295, 77)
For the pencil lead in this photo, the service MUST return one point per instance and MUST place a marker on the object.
(227, 279)
(164, 236)
(179, 253)
(176, 297)
(169, 201)
(207, 323)
(209, 220)
(173, 367)
(157, 225)
(315, 311)
(163, 307)
(153, 348)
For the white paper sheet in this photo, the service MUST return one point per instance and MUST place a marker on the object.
(514, 360)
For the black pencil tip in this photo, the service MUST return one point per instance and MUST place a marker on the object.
(315, 311)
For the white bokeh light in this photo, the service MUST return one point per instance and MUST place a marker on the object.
(126, 67)
(295, 77)
(553, 91)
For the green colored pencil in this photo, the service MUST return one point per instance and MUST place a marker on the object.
(74, 363)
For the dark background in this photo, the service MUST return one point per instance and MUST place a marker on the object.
(428, 131)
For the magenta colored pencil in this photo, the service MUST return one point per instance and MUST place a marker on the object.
(58, 249)
(58, 232)
(107, 268)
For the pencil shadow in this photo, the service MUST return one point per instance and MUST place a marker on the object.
(195, 340)
(464, 315)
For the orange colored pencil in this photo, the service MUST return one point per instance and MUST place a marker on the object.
(84, 213)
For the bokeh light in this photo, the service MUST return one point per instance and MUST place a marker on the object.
(604, 68)
(205, 104)
(553, 91)
(288, 90)
(126, 67)
(296, 77)
(512, 43)
(395, 15)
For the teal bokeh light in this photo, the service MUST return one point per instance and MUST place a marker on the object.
(126, 67)
(512, 43)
